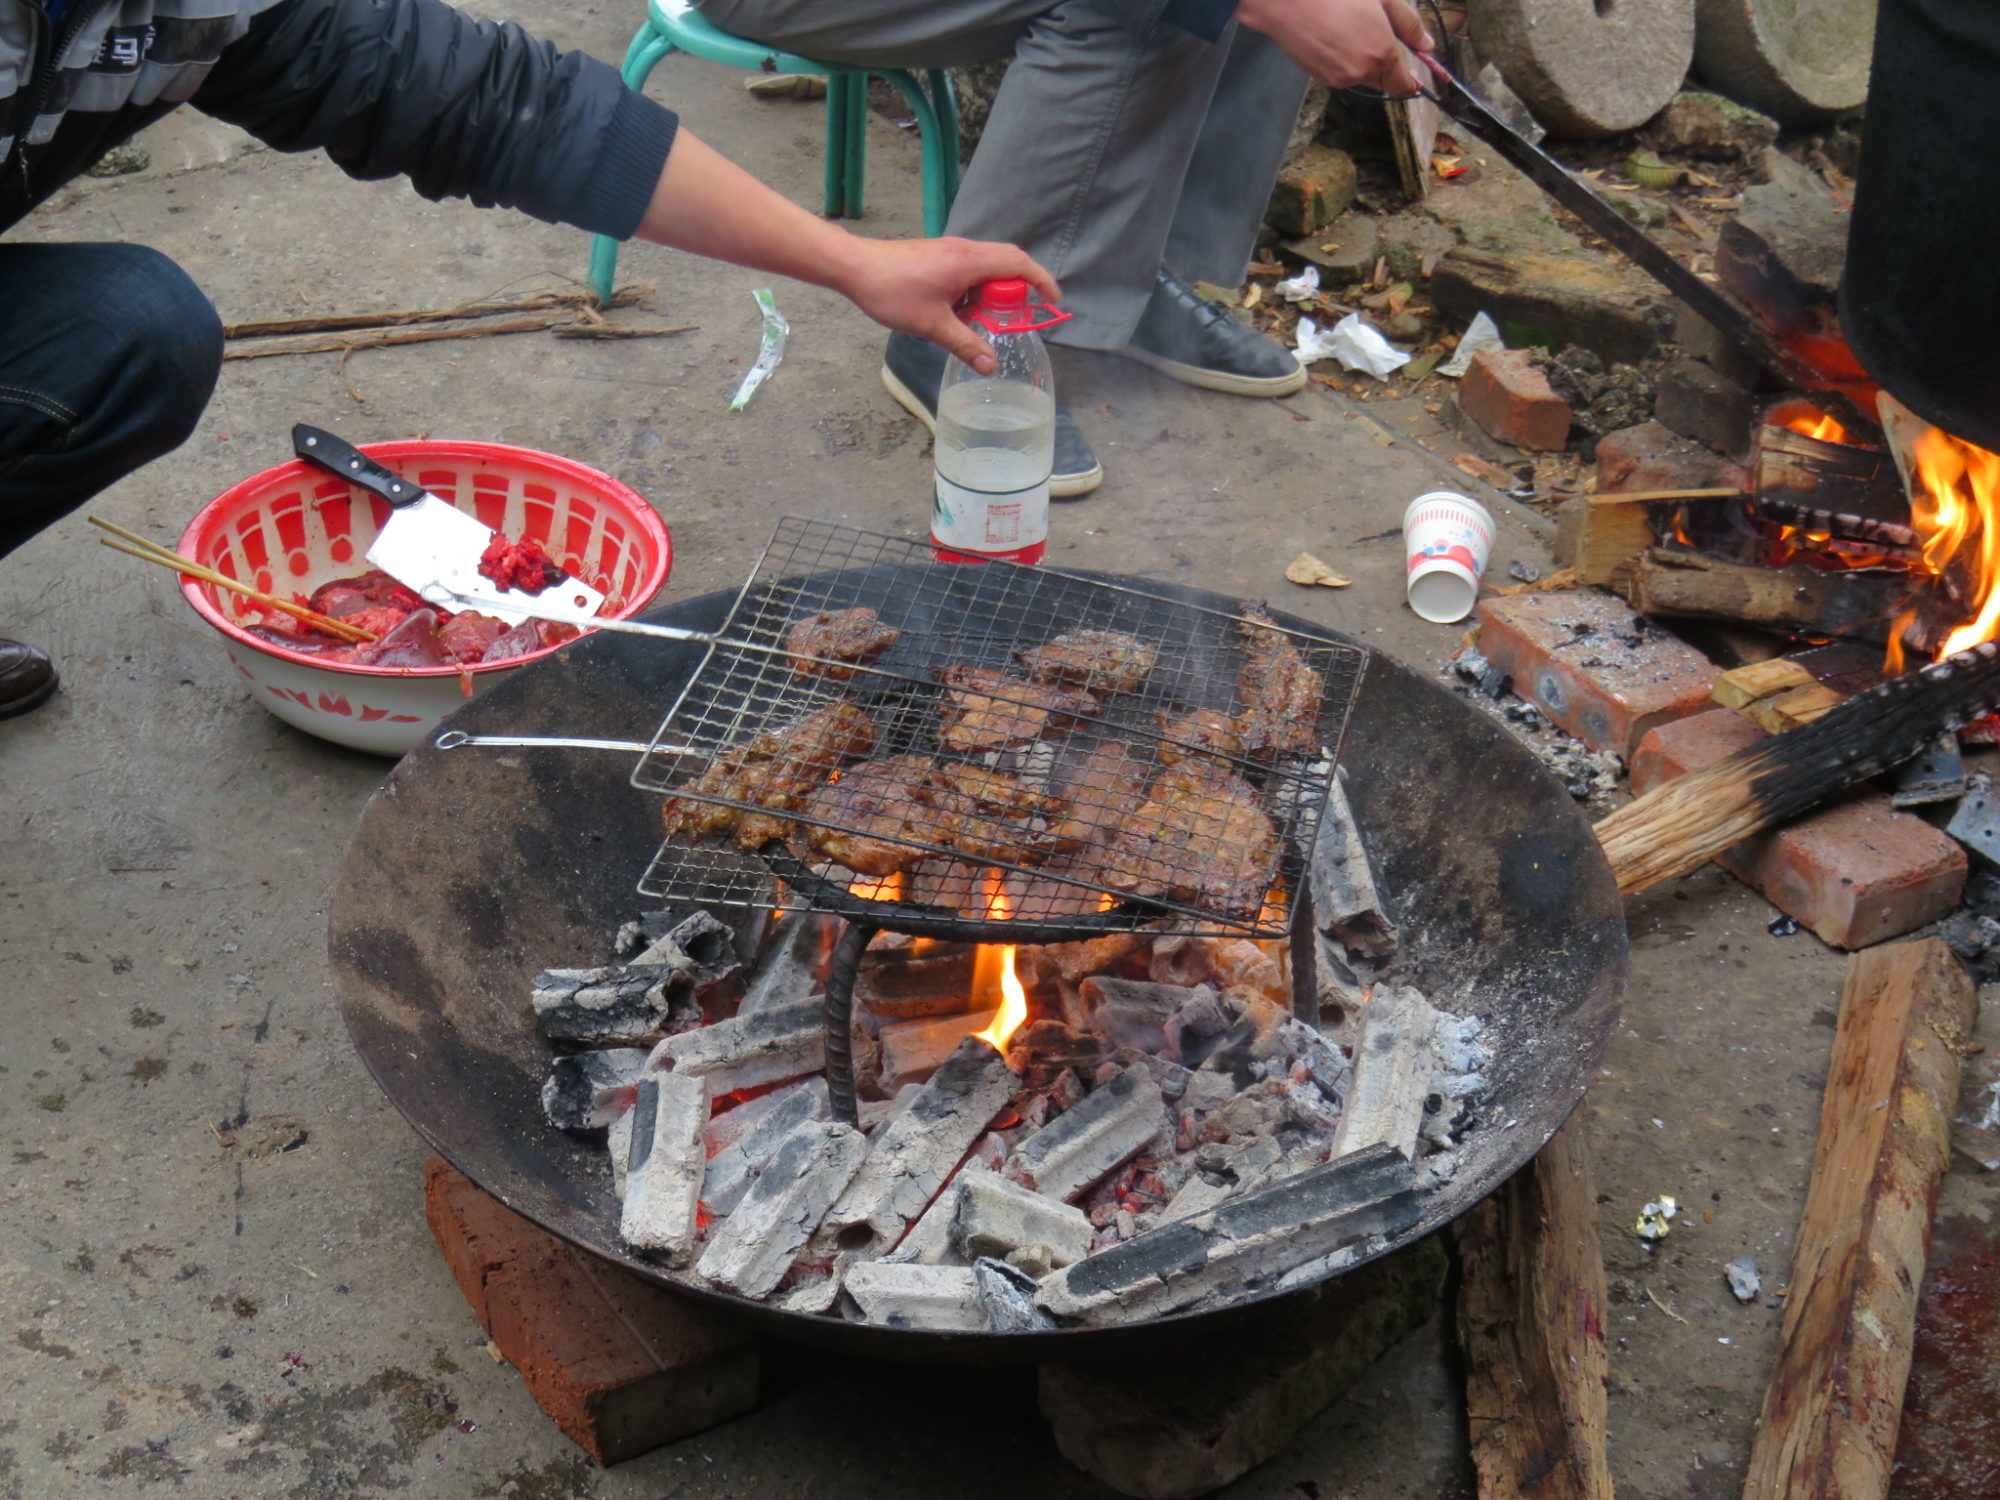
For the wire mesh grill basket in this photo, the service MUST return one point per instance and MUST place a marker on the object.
(1080, 750)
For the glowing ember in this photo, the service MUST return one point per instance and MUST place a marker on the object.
(1815, 424)
(993, 967)
(1954, 488)
(878, 888)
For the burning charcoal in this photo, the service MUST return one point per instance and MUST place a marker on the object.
(1035, 1261)
(1323, 1062)
(1172, 1078)
(1007, 1297)
(1049, 1046)
(732, 1170)
(813, 1290)
(913, 1155)
(1102, 1133)
(875, 1113)
(1234, 1051)
(929, 1242)
(624, 1003)
(1077, 961)
(1244, 1243)
(1393, 1062)
(750, 1251)
(701, 950)
(996, 1216)
(636, 936)
(1195, 1030)
(728, 1126)
(1251, 973)
(1179, 960)
(905, 1296)
(1345, 902)
(1132, 1012)
(913, 1050)
(1223, 1175)
(789, 970)
(664, 1172)
(897, 985)
(591, 1089)
(747, 1051)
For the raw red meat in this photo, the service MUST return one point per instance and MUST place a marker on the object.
(519, 565)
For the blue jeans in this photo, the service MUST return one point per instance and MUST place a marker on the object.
(108, 354)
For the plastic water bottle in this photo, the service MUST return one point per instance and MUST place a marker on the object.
(996, 437)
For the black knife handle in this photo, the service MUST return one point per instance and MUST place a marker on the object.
(338, 456)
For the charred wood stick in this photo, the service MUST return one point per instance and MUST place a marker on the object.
(576, 301)
(1834, 1403)
(1794, 601)
(1673, 828)
(347, 343)
(1531, 1323)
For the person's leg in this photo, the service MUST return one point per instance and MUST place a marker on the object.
(108, 354)
(881, 33)
(1236, 160)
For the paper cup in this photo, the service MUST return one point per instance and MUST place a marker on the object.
(1446, 539)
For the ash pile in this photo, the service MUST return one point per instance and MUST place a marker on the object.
(1176, 1123)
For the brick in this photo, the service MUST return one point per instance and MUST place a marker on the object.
(619, 1363)
(1312, 192)
(1510, 398)
(1593, 666)
(1652, 457)
(1856, 872)
(1706, 405)
(1699, 339)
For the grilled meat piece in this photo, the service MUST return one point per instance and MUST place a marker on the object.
(973, 718)
(1202, 735)
(997, 791)
(856, 636)
(873, 806)
(1106, 790)
(1200, 837)
(1098, 661)
(776, 770)
(1281, 694)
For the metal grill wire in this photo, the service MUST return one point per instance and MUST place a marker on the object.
(981, 616)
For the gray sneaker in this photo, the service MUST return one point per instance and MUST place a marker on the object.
(913, 367)
(1203, 343)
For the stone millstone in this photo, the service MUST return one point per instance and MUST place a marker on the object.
(1588, 68)
(1799, 61)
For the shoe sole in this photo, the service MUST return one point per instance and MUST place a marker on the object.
(1216, 380)
(32, 701)
(1061, 486)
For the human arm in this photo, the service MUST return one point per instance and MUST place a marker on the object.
(705, 204)
(1346, 42)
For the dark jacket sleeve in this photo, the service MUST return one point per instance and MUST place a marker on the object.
(463, 108)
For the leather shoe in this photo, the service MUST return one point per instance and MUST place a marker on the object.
(27, 678)
(911, 371)
(1203, 344)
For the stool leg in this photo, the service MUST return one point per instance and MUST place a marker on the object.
(647, 48)
(939, 158)
(834, 192)
(854, 151)
(945, 99)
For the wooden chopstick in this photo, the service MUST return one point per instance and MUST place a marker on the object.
(152, 552)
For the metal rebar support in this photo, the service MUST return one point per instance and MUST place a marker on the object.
(840, 974)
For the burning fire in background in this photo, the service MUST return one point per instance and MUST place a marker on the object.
(1954, 492)
(993, 968)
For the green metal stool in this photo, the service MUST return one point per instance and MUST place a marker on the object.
(676, 24)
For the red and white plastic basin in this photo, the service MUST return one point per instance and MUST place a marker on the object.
(290, 529)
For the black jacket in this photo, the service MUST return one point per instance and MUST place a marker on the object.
(463, 108)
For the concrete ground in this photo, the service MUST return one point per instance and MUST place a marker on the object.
(215, 1279)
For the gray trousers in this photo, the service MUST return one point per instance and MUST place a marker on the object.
(1112, 148)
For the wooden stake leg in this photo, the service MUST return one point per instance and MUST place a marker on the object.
(1831, 1411)
(1531, 1321)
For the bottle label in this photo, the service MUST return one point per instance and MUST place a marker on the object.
(1012, 524)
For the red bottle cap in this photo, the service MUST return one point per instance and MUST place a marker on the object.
(1004, 307)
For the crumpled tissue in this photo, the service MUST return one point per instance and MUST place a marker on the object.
(1300, 288)
(1353, 341)
(1481, 333)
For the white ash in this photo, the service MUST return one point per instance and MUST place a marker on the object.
(748, 1051)
(728, 1126)
(1586, 774)
(911, 1296)
(611, 1004)
(1110, 1127)
(995, 1216)
(700, 949)
(733, 1169)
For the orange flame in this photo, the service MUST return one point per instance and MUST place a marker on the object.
(878, 887)
(1013, 997)
(1817, 424)
(1955, 508)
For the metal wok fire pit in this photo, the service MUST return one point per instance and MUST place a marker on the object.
(470, 872)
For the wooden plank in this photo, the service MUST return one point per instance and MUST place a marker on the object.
(1834, 1402)
(1796, 601)
(1531, 1321)
(1793, 690)
(1606, 529)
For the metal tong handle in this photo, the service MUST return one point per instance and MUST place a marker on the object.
(546, 609)
(453, 739)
